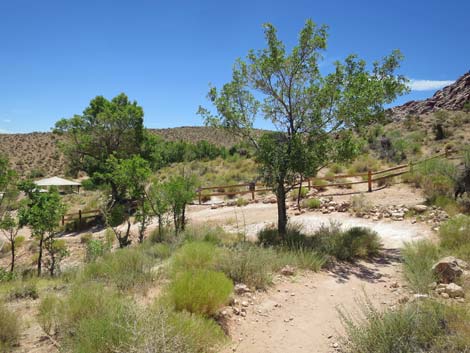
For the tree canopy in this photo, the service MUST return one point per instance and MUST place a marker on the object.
(314, 113)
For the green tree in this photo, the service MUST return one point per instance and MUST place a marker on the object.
(180, 190)
(312, 112)
(159, 203)
(105, 128)
(57, 250)
(42, 212)
(9, 227)
(129, 177)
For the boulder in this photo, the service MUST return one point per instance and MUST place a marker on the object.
(420, 208)
(448, 269)
(455, 291)
(241, 288)
(288, 270)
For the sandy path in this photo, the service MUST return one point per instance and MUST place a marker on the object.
(301, 314)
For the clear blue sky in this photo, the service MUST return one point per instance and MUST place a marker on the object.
(55, 55)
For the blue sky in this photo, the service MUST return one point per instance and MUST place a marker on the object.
(55, 55)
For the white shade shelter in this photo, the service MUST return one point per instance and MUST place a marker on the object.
(58, 182)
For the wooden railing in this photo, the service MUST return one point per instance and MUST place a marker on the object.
(368, 177)
(80, 216)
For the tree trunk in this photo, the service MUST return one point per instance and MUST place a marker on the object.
(41, 240)
(281, 211)
(183, 217)
(300, 193)
(12, 266)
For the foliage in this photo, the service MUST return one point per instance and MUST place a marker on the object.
(23, 290)
(418, 259)
(105, 128)
(85, 238)
(422, 326)
(200, 291)
(57, 250)
(311, 203)
(197, 255)
(455, 236)
(42, 212)
(49, 316)
(314, 114)
(180, 190)
(9, 328)
(95, 249)
(295, 193)
(124, 268)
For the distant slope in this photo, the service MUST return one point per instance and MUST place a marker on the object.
(452, 98)
(37, 152)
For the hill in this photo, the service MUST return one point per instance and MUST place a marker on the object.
(37, 153)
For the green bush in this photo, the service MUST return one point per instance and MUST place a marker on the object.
(24, 290)
(49, 314)
(9, 328)
(85, 238)
(418, 259)
(357, 242)
(311, 204)
(249, 264)
(159, 251)
(295, 193)
(455, 232)
(200, 292)
(125, 268)
(242, 202)
(195, 255)
(302, 258)
(6, 276)
(95, 248)
(423, 326)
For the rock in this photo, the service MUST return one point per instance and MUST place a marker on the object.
(455, 291)
(236, 311)
(288, 270)
(445, 295)
(420, 208)
(245, 303)
(448, 270)
(394, 285)
(241, 288)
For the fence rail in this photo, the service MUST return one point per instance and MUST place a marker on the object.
(254, 188)
(80, 216)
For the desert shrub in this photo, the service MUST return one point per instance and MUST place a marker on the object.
(311, 204)
(164, 331)
(360, 204)
(124, 268)
(364, 163)
(85, 238)
(159, 251)
(455, 232)
(336, 168)
(423, 326)
(248, 264)
(212, 235)
(319, 184)
(356, 242)
(95, 248)
(418, 259)
(242, 202)
(195, 255)
(294, 237)
(6, 276)
(24, 290)
(200, 292)
(9, 328)
(295, 193)
(302, 258)
(49, 314)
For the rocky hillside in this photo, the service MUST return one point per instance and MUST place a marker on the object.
(37, 152)
(452, 98)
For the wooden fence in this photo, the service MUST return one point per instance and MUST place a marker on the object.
(80, 216)
(367, 177)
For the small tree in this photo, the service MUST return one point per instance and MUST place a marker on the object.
(9, 227)
(180, 190)
(42, 212)
(159, 203)
(57, 250)
(313, 113)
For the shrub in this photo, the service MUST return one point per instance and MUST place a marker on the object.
(85, 238)
(200, 292)
(360, 204)
(241, 202)
(159, 251)
(49, 314)
(24, 290)
(6, 276)
(124, 268)
(212, 235)
(9, 328)
(319, 184)
(302, 258)
(196, 255)
(95, 248)
(418, 259)
(312, 204)
(364, 163)
(295, 193)
(336, 168)
(455, 232)
(423, 326)
(248, 264)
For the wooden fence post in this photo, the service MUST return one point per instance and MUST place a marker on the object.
(369, 180)
(79, 218)
(63, 220)
(200, 196)
(308, 184)
(253, 188)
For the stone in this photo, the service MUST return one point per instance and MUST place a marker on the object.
(455, 291)
(245, 303)
(420, 208)
(241, 288)
(448, 270)
(288, 270)
(445, 295)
